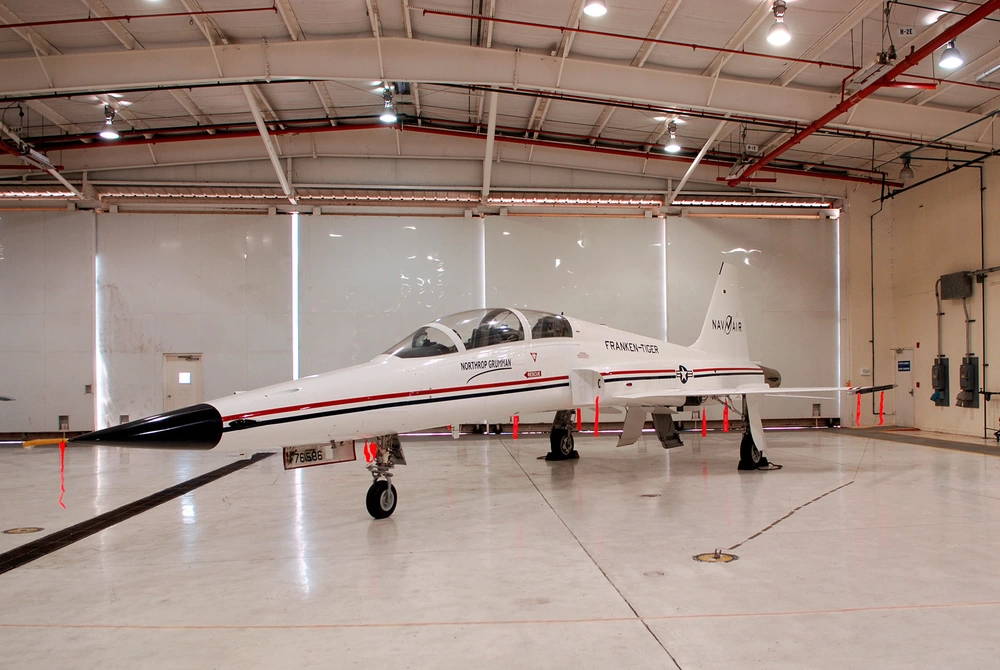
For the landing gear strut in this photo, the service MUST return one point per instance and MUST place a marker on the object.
(751, 455)
(561, 437)
(381, 498)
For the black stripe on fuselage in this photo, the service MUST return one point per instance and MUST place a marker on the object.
(398, 403)
(638, 379)
(695, 375)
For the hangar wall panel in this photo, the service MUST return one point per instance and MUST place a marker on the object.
(606, 270)
(47, 307)
(367, 281)
(788, 271)
(212, 284)
(919, 235)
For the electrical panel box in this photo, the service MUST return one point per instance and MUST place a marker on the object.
(956, 286)
(968, 382)
(939, 381)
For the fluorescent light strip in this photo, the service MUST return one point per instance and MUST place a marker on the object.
(708, 202)
(557, 200)
(295, 295)
(35, 194)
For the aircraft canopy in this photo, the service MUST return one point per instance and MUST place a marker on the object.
(480, 328)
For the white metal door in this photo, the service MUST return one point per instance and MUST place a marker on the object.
(904, 388)
(182, 380)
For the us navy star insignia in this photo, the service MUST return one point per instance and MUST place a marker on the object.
(683, 374)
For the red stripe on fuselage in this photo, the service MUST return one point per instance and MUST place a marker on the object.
(384, 396)
(654, 372)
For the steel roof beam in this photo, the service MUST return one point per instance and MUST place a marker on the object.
(269, 145)
(355, 59)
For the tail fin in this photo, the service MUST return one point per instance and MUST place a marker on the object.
(723, 332)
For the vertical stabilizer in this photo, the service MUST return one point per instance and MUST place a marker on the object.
(724, 331)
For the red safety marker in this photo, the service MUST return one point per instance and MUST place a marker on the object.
(857, 412)
(704, 423)
(517, 424)
(881, 408)
(597, 415)
(62, 473)
(579, 420)
(725, 418)
(371, 451)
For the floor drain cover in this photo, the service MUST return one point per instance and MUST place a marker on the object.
(650, 495)
(715, 557)
(22, 531)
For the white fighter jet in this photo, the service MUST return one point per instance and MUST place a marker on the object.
(482, 366)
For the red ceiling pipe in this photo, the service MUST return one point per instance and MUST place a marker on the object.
(26, 167)
(922, 85)
(130, 17)
(166, 139)
(239, 130)
(912, 59)
(623, 36)
(201, 137)
(639, 154)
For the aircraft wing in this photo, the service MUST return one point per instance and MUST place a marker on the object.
(652, 398)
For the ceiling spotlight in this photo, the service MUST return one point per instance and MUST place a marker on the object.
(109, 133)
(672, 146)
(951, 57)
(595, 8)
(659, 118)
(388, 114)
(678, 120)
(906, 173)
(778, 35)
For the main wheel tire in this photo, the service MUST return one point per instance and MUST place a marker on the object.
(750, 456)
(561, 443)
(381, 499)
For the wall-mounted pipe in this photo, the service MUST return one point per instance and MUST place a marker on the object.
(912, 59)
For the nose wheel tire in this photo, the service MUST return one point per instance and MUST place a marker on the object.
(381, 499)
(561, 445)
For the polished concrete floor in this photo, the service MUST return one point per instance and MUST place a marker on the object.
(495, 559)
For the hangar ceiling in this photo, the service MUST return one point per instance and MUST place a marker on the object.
(226, 101)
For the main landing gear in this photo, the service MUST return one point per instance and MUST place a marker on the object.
(381, 498)
(561, 437)
(752, 445)
(751, 458)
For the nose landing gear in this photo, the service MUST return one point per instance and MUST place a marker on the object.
(561, 437)
(381, 497)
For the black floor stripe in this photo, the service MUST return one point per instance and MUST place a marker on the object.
(54, 541)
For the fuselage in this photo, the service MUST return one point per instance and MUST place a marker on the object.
(394, 394)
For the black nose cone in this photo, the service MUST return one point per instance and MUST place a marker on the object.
(194, 427)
